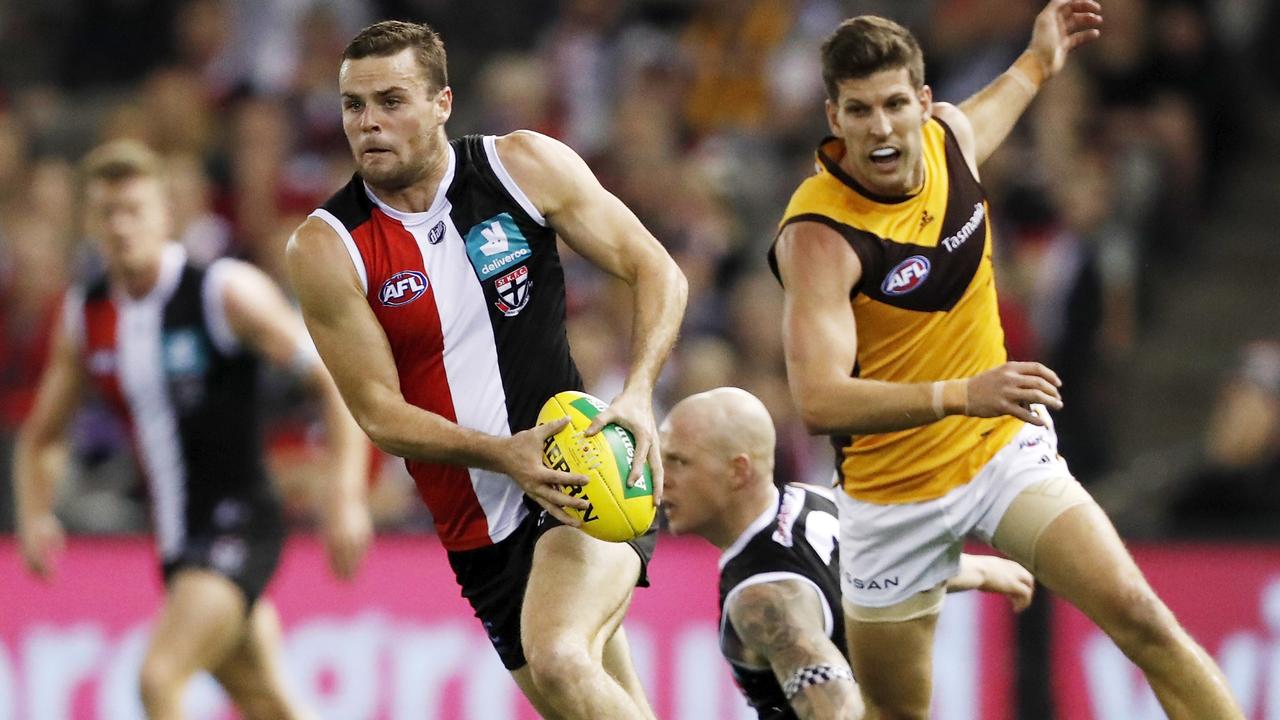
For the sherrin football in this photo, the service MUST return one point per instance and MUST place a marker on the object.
(617, 513)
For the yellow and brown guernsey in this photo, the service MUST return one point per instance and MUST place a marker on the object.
(925, 310)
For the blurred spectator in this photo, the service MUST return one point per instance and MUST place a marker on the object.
(1235, 490)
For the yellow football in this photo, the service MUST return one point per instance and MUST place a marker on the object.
(617, 513)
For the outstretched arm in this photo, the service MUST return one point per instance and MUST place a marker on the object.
(40, 454)
(1062, 26)
(600, 228)
(819, 335)
(994, 575)
(781, 623)
(356, 352)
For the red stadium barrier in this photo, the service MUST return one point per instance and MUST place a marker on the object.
(400, 642)
(1227, 597)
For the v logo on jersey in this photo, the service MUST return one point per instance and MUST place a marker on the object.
(496, 245)
(495, 239)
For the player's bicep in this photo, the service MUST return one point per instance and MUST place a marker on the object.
(343, 327)
(258, 313)
(819, 271)
(589, 218)
(783, 622)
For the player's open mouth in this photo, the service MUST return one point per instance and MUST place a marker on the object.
(885, 158)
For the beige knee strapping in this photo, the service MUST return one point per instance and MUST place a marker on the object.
(919, 605)
(1030, 514)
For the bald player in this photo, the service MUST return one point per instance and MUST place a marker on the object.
(781, 628)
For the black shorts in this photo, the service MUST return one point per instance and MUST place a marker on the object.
(245, 550)
(493, 580)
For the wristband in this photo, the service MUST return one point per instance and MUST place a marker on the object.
(939, 408)
(814, 675)
(1021, 78)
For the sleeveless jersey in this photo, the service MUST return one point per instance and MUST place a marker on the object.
(796, 539)
(171, 366)
(925, 310)
(471, 297)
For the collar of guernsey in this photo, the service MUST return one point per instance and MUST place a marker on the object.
(925, 310)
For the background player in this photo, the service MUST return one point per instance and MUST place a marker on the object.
(894, 346)
(432, 286)
(781, 628)
(175, 349)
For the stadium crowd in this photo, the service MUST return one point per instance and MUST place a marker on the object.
(701, 115)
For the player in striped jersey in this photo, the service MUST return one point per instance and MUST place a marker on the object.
(781, 626)
(432, 286)
(175, 349)
(894, 348)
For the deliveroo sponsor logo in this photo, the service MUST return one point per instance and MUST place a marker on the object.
(496, 245)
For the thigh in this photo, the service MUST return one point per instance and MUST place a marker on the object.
(1031, 513)
(1081, 558)
(202, 621)
(893, 663)
(578, 588)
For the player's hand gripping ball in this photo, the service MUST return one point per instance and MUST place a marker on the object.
(617, 513)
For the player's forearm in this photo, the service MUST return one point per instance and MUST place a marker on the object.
(970, 577)
(348, 449)
(836, 700)
(996, 108)
(410, 432)
(36, 464)
(659, 297)
(856, 406)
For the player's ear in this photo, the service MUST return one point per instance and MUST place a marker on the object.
(741, 470)
(443, 104)
(831, 116)
(926, 101)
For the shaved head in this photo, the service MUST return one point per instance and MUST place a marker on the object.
(731, 422)
(717, 451)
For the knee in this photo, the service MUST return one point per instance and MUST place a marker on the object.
(557, 665)
(1141, 624)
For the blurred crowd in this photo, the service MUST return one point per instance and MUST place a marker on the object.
(701, 115)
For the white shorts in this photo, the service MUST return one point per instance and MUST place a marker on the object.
(888, 553)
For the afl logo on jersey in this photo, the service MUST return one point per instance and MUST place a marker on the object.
(906, 276)
(403, 288)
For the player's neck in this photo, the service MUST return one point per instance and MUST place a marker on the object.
(138, 282)
(741, 514)
(421, 194)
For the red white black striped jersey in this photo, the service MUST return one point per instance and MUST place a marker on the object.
(171, 366)
(470, 294)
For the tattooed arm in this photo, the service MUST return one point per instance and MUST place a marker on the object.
(781, 623)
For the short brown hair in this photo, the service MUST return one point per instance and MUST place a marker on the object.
(391, 36)
(865, 45)
(121, 160)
